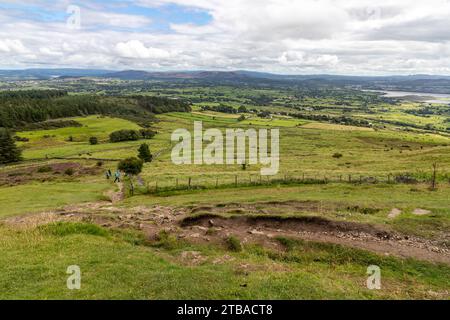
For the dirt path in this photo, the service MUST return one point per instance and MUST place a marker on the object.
(362, 236)
(116, 196)
(204, 225)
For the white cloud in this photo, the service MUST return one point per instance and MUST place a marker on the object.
(137, 50)
(289, 36)
(12, 46)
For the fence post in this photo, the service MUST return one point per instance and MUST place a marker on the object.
(189, 183)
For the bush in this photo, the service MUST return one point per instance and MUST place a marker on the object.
(233, 244)
(147, 133)
(131, 166)
(69, 172)
(21, 139)
(166, 241)
(44, 169)
(124, 135)
(93, 140)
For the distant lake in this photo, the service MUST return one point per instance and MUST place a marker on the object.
(428, 97)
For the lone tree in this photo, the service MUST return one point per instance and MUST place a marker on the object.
(144, 153)
(132, 167)
(9, 152)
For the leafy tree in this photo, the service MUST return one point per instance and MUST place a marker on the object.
(132, 167)
(242, 109)
(93, 140)
(144, 153)
(124, 135)
(9, 152)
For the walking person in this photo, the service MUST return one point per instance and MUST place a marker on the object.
(117, 176)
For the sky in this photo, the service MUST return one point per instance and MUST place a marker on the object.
(352, 37)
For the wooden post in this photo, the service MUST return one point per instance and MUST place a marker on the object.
(433, 179)
(189, 182)
(350, 178)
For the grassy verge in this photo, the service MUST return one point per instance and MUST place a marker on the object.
(115, 267)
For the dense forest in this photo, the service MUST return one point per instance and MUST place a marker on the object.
(19, 108)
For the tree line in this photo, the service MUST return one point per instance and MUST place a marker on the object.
(17, 109)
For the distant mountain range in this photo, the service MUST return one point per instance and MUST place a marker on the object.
(414, 83)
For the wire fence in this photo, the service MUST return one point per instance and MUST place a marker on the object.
(161, 186)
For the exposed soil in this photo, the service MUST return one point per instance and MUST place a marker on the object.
(116, 196)
(215, 224)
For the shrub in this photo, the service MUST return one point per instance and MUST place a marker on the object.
(93, 140)
(69, 172)
(147, 133)
(21, 139)
(131, 166)
(166, 241)
(233, 244)
(124, 135)
(44, 169)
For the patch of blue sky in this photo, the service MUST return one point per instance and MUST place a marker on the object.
(162, 16)
(33, 12)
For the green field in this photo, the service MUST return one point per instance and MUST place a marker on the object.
(137, 247)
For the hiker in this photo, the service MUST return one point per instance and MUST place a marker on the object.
(108, 174)
(117, 176)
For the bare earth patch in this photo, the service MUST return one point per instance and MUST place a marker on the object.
(394, 213)
(214, 227)
(421, 212)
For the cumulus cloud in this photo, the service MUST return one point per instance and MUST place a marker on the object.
(12, 46)
(137, 50)
(287, 36)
